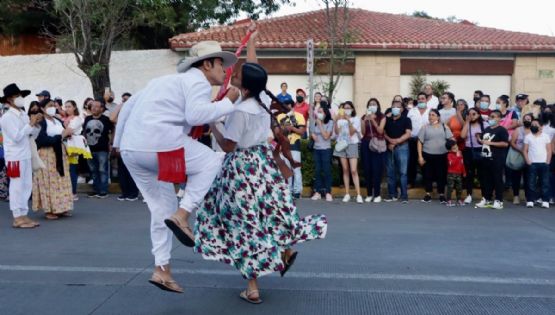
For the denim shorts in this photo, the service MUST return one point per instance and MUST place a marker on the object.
(351, 152)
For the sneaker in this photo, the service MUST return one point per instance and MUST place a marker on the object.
(442, 199)
(81, 180)
(545, 205)
(390, 199)
(450, 203)
(368, 199)
(316, 196)
(539, 201)
(404, 201)
(132, 199)
(121, 198)
(329, 197)
(92, 195)
(427, 198)
(377, 199)
(297, 196)
(551, 201)
(529, 204)
(359, 199)
(75, 197)
(347, 198)
(102, 196)
(516, 200)
(498, 205)
(461, 203)
(483, 203)
(468, 199)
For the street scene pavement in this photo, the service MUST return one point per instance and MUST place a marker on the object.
(386, 258)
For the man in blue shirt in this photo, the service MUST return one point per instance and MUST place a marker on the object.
(283, 95)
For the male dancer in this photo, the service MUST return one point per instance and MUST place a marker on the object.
(152, 135)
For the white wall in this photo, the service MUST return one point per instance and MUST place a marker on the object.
(344, 91)
(58, 73)
(463, 86)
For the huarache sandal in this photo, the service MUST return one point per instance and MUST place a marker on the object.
(288, 263)
(170, 285)
(247, 296)
(181, 230)
(23, 225)
(51, 216)
(28, 220)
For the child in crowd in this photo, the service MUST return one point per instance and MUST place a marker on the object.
(455, 173)
(537, 153)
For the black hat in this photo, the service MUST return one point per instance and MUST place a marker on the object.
(254, 78)
(521, 96)
(44, 93)
(11, 90)
(541, 102)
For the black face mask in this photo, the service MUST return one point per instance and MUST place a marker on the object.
(527, 124)
(535, 129)
(110, 100)
(546, 117)
(300, 99)
(476, 99)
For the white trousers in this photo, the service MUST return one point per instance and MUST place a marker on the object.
(21, 188)
(295, 182)
(203, 165)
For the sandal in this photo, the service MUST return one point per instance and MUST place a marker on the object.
(288, 263)
(181, 230)
(23, 225)
(28, 220)
(67, 214)
(51, 216)
(170, 285)
(246, 295)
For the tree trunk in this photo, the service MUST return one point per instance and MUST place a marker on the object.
(99, 77)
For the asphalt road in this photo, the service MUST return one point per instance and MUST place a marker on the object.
(377, 259)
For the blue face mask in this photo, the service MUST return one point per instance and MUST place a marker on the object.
(396, 111)
(484, 105)
(492, 122)
(498, 106)
(422, 105)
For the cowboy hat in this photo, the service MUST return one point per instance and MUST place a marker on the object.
(206, 50)
(11, 90)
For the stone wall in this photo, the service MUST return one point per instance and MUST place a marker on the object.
(376, 75)
(534, 75)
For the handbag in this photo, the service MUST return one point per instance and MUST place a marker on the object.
(341, 145)
(515, 160)
(376, 144)
(36, 161)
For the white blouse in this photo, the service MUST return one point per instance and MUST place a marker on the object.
(249, 124)
(54, 127)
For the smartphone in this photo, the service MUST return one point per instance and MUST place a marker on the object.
(341, 112)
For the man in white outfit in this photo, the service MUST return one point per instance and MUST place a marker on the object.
(18, 132)
(153, 137)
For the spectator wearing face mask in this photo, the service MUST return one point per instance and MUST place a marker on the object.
(518, 175)
(483, 107)
(373, 123)
(301, 106)
(495, 141)
(473, 128)
(397, 133)
(321, 132)
(537, 153)
(419, 118)
(347, 128)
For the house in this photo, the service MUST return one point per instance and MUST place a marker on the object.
(389, 49)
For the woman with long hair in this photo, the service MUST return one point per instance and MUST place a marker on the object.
(373, 124)
(321, 133)
(473, 128)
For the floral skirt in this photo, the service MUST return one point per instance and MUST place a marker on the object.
(52, 192)
(248, 217)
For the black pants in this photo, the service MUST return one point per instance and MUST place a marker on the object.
(473, 169)
(127, 184)
(492, 177)
(412, 168)
(435, 170)
(517, 176)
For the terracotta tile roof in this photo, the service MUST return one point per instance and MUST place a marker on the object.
(373, 31)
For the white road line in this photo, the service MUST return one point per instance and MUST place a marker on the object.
(298, 275)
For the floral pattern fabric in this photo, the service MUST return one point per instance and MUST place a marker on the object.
(248, 217)
(52, 192)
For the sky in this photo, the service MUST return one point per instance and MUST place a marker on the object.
(530, 16)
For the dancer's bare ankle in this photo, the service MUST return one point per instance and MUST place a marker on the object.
(182, 214)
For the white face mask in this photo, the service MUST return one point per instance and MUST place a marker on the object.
(19, 102)
(51, 111)
(320, 116)
(348, 112)
(372, 109)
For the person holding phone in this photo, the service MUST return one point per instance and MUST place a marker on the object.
(473, 128)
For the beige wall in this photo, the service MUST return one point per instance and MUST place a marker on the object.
(377, 75)
(534, 75)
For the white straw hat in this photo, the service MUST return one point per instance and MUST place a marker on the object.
(206, 50)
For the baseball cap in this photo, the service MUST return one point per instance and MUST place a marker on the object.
(541, 102)
(521, 96)
(44, 93)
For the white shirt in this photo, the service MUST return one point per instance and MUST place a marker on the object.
(344, 129)
(76, 123)
(537, 152)
(433, 102)
(54, 127)
(17, 135)
(418, 120)
(548, 131)
(160, 117)
(249, 124)
(446, 114)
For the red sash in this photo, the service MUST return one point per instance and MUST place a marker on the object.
(171, 166)
(13, 170)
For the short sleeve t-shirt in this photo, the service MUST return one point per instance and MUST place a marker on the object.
(433, 138)
(298, 121)
(97, 131)
(320, 143)
(537, 152)
(498, 134)
(396, 128)
(282, 98)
